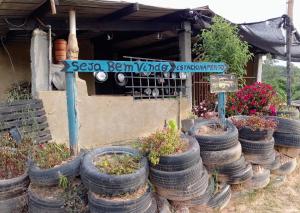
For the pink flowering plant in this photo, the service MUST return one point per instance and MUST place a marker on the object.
(252, 100)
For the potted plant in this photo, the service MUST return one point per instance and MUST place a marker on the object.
(176, 168)
(13, 173)
(255, 127)
(116, 178)
(51, 165)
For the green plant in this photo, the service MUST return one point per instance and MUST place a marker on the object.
(164, 142)
(63, 182)
(221, 43)
(51, 154)
(118, 164)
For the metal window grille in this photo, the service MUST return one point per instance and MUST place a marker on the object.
(156, 85)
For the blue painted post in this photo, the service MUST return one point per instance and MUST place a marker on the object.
(71, 92)
(221, 107)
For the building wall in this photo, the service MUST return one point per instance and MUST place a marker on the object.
(106, 120)
(20, 55)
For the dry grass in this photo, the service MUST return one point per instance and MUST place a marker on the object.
(282, 199)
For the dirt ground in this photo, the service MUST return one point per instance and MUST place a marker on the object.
(283, 198)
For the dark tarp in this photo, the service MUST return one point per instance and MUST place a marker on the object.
(269, 36)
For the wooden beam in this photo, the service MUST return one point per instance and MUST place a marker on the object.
(126, 11)
(41, 11)
(96, 26)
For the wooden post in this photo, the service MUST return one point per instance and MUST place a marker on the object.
(288, 50)
(71, 88)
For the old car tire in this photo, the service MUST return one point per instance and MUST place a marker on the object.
(286, 168)
(50, 177)
(287, 125)
(39, 204)
(13, 187)
(180, 185)
(101, 183)
(143, 204)
(248, 134)
(257, 147)
(291, 113)
(222, 157)
(183, 160)
(215, 142)
(261, 159)
(287, 139)
(221, 198)
(14, 204)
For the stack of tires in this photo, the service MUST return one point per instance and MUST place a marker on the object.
(13, 196)
(103, 188)
(287, 143)
(182, 178)
(43, 192)
(258, 149)
(222, 154)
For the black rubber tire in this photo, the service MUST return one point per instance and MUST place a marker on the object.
(287, 125)
(50, 177)
(259, 180)
(181, 161)
(260, 159)
(200, 200)
(143, 204)
(221, 198)
(40, 205)
(257, 147)
(237, 178)
(180, 185)
(287, 139)
(14, 205)
(219, 158)
(273, 165)
(101, 183)
(232, 168)
(294, 114)
(286, 168)
(248, 134)
(215, 142)
(13, 187)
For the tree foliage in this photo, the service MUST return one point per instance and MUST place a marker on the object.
(276, 76)
(221, 43)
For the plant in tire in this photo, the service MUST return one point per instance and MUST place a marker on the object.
(161, 143)
(50, 161)
(13, 173)
(255, 127)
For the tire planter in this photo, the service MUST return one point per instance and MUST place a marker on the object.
(290, 113)
(215, 142)
(13, 197)
(198, 201)
(222, 157)
(237, 177)
(143, 204)
(249, 134)
(288, 165)
(180, 185)
(44, 204)
(183, 160)
(50, 177)
(260, 147)
(287, 139)
(287, 125)
(260, 178)
(221, 198)
(259, 159)
(105, 184)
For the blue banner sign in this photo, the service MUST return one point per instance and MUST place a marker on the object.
(142, 66)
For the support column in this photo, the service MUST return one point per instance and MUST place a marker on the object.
(259, 62)
(39, 55)
(185, 48)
